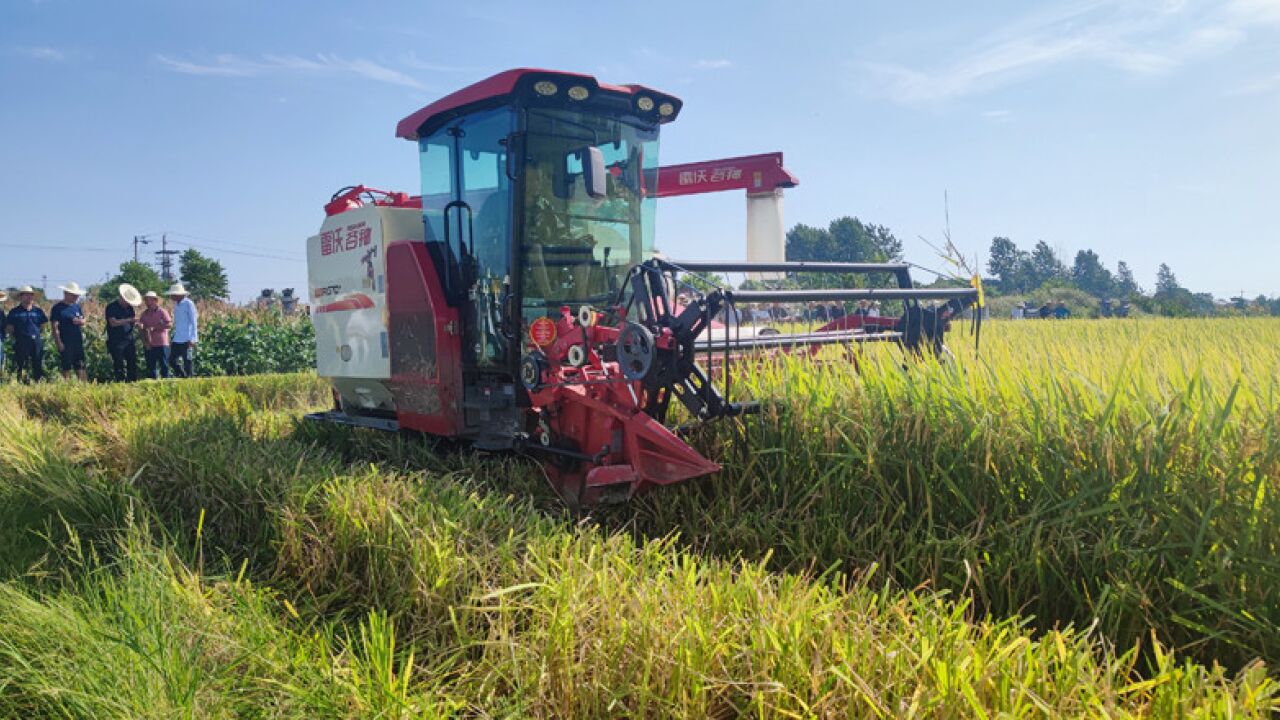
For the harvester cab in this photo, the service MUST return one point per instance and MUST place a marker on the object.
(517, 303)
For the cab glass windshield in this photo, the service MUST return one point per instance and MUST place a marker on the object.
(577, 248)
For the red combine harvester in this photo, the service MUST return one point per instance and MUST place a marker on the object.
(518, 303)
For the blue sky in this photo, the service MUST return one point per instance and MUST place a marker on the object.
(1148, 131)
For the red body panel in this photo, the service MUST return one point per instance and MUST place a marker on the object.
(359, 301)
(426, 350)
(601, 414)
(504, 83)
(854, 321)
(501, 84)
(353, 198)
(753, 173)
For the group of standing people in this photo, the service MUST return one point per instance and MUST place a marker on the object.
(168, 340)
(1056, 311)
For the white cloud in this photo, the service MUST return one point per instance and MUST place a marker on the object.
(982, 70)
(411, 60)
(230, 65)
(1213, 38)
(1128, 35)
(716, 64)
(1256, 86)
(46, 54)
(1255, 12)
(1139, 62)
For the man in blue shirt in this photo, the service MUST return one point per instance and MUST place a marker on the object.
(25, 322)
(185, 333)
(68, 322)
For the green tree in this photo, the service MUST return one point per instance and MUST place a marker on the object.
(1006, 262)
(885, 244)
(1166, 282)
(137, 274)
(203, 276)
(1126, 286)
(1089, 274)
(1045, 265)
(846, 239)
(806, 244)
(1173, 299)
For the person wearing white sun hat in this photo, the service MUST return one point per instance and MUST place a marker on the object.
(27, 322)
(155, 322)
(68, 322)
(121, 343)
(185, 333)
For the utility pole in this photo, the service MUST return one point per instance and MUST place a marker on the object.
(44, 285)
(166, 262)
(139, 240)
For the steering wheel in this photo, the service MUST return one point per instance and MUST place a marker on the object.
(636, 351)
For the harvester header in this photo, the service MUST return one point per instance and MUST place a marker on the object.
(518, 303)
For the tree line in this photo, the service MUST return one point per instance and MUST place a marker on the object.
(1038, 273)
(1014, 271)
(203, 277)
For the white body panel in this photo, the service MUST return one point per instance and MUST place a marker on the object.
(346, 273)
(766, 233)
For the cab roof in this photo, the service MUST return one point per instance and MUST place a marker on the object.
(508, 83)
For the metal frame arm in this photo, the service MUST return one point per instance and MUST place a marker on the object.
(769, 296)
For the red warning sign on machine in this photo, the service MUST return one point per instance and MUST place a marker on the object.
(542, 331)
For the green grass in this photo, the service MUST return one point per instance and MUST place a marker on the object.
(926, 543)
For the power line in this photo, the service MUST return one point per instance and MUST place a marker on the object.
(57, 247)
(214, 243)
(237, 252)
(212, 240)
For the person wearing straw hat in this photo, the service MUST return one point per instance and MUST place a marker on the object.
(185, 334)
(26, 321)
(67, 320)
(120, 338)
(155, 322)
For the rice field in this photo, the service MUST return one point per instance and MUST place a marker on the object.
(1081, 520)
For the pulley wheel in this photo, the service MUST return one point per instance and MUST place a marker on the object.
(636, 351)
(531, 368)
(576, 355)
(586, 316)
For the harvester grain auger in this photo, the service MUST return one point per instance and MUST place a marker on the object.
(518, 303)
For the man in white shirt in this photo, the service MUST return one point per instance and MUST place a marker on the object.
(185, 335)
